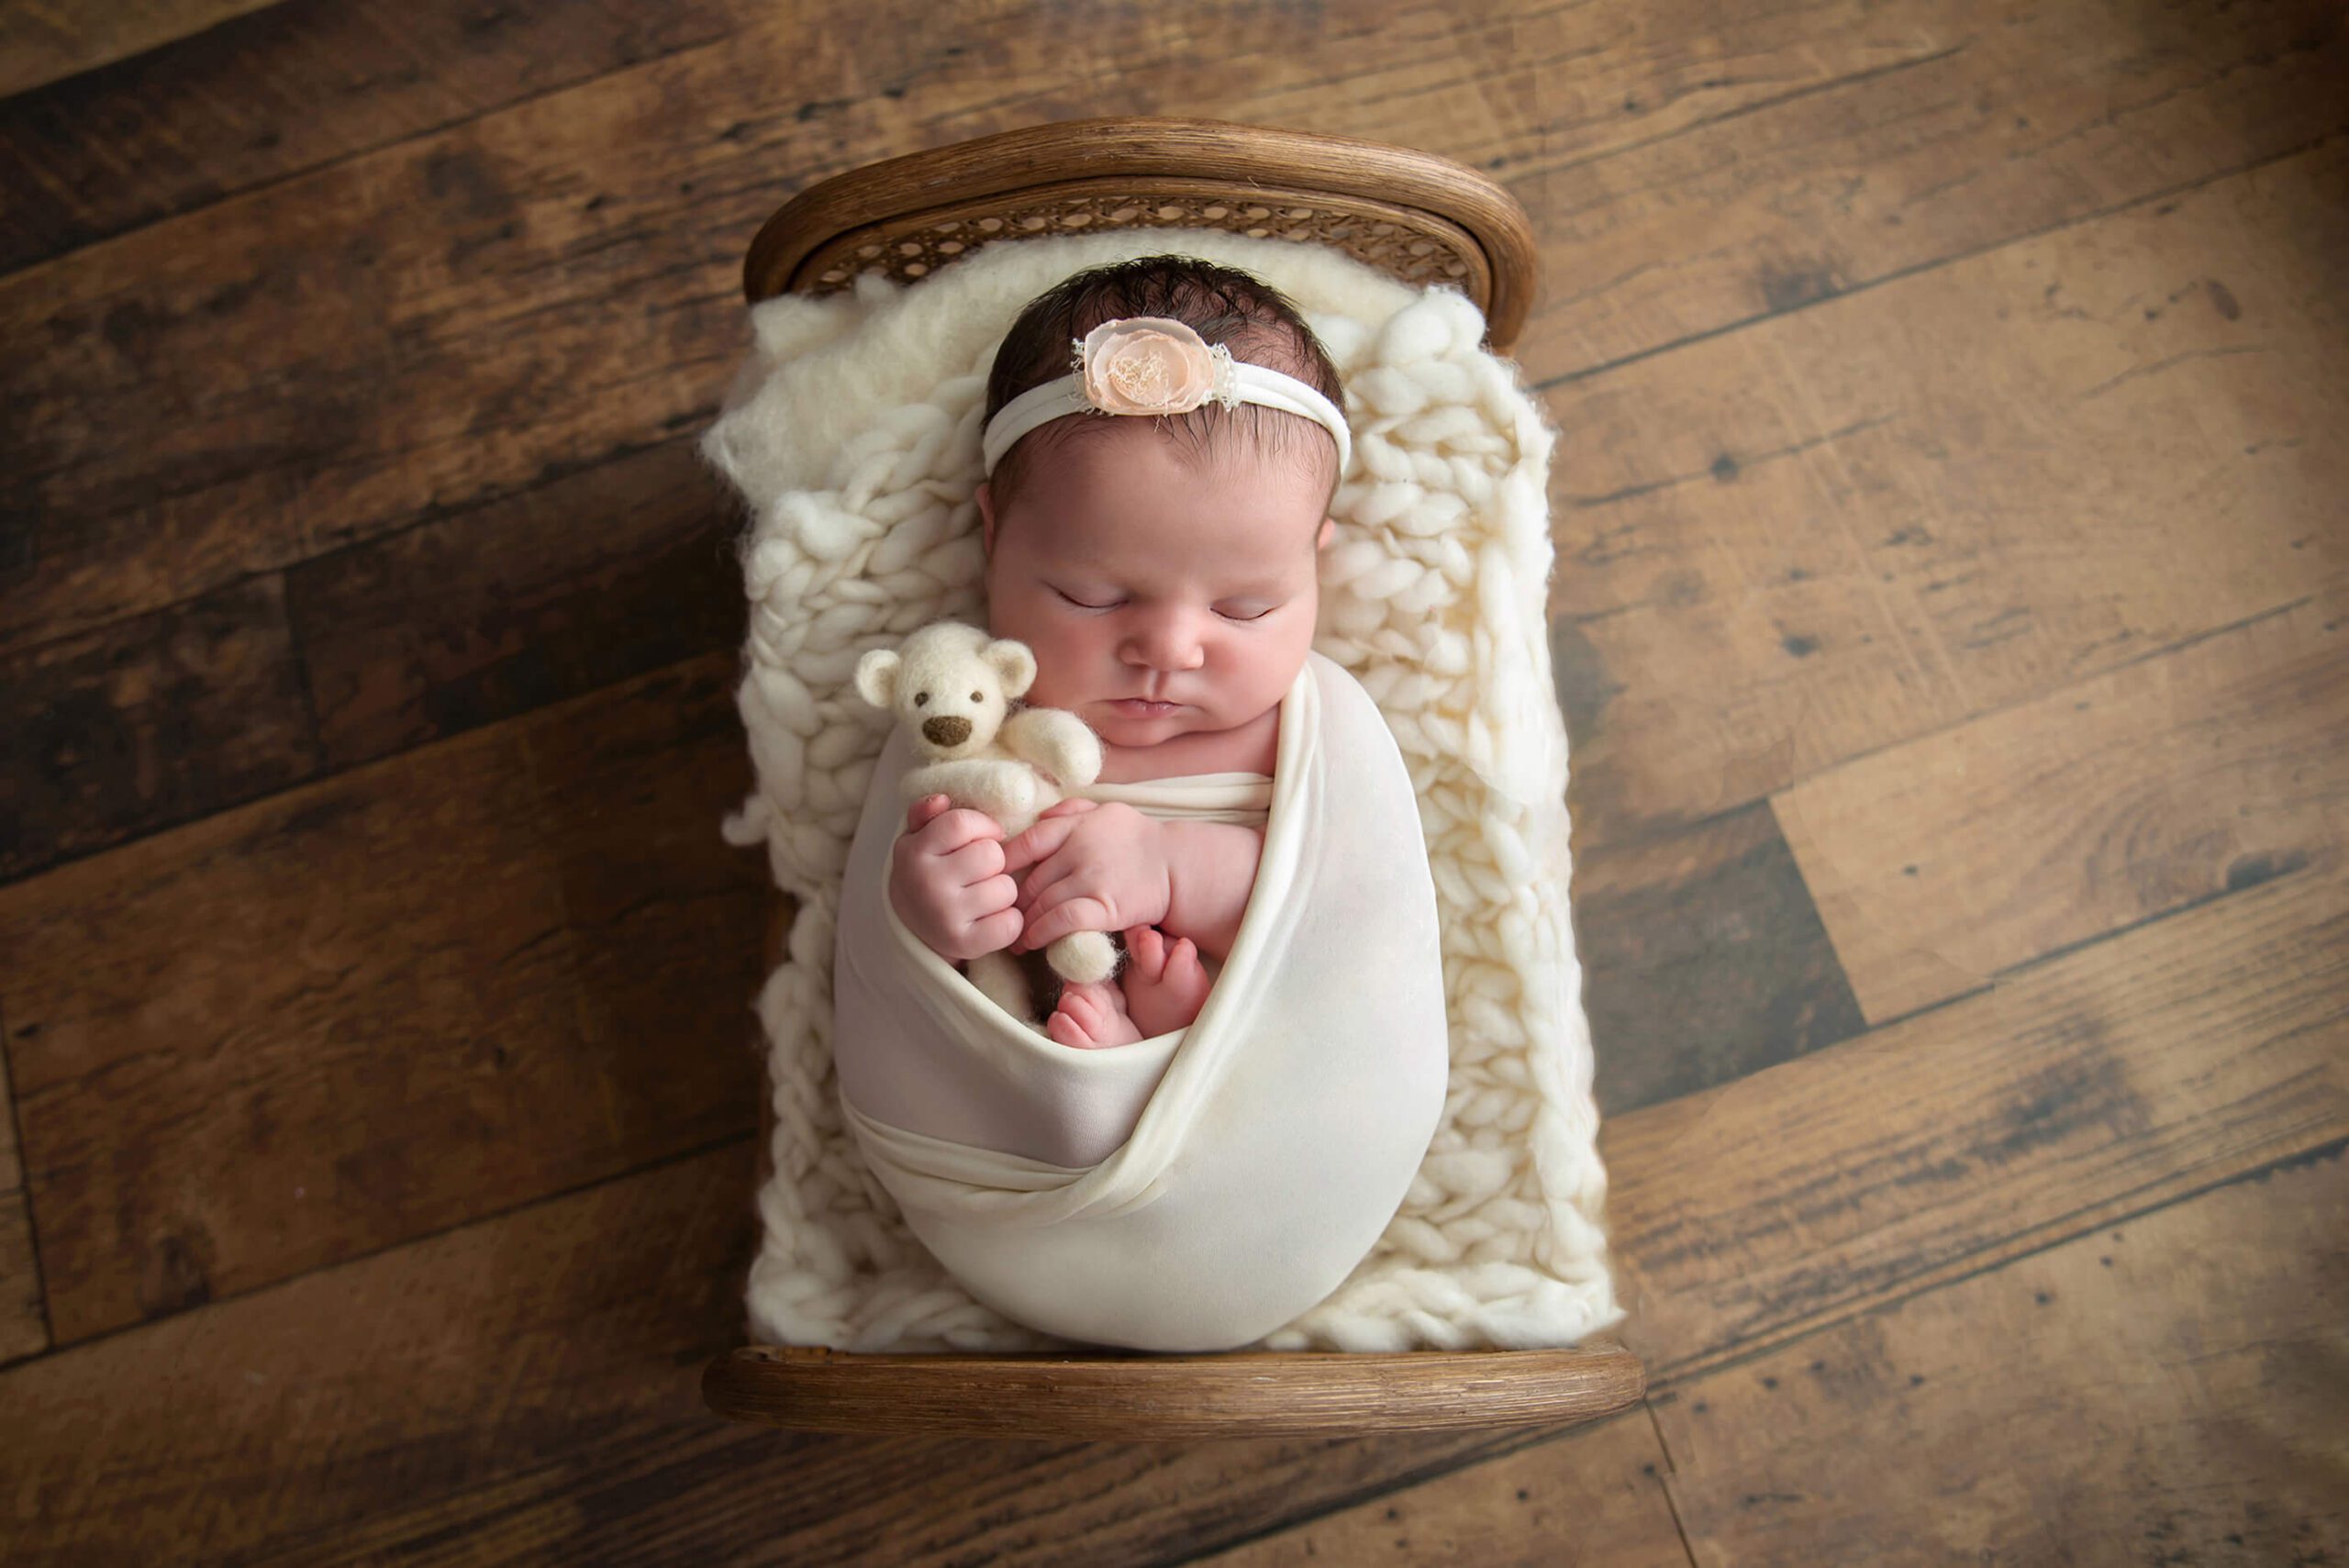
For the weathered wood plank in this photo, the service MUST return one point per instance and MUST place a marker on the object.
(1595, 1495)
(351, 1391)
(2100, 1083)
(384, 1004)
(591, 579)
(1679, 202)
(1703, 960)
(22, 1329)
(148, 722)
(2168, 1391)
(366, 337)
(262, 97)
(42, 42)
(1835, 531)
(1942, 863)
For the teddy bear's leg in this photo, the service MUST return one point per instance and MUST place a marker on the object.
(998, 976)
(1083, 957)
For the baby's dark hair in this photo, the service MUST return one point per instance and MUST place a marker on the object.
(1248, 315)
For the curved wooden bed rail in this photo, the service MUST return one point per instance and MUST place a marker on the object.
(1423, 218)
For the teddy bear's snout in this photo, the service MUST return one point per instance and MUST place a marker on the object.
(946, 731)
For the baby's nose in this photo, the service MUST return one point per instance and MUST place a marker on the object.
(946, 731)
(1166, 644)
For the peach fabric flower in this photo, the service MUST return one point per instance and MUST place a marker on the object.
(1147, 364)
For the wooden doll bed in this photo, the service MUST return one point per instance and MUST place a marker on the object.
(1417, 217)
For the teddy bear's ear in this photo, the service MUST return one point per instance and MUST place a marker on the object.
(1013, 665)
(876, 677)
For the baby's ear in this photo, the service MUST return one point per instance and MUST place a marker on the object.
(1013, 665)
(1329, 527)
(876, 678)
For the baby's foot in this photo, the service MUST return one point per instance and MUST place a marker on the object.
(1166, 983)
(1091, 1017)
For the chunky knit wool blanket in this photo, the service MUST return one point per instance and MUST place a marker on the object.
(853, 433)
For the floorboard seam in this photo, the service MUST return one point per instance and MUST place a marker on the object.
(1671, 1469)
(1901, 273)
(291, 176)
(25, 1187)
(486, 1218)
(1742, 1352)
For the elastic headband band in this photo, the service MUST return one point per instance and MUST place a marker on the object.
(1149, 364)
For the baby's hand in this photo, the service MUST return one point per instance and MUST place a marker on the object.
(947, 880)
(1098, 868)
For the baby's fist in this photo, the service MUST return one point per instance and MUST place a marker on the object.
(947, 880)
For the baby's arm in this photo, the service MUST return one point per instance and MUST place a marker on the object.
(1109, 868)
(1210, 868)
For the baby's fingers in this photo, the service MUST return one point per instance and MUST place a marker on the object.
(922, 812)
(947, 833)
(1049, 834)
(974, 863)
(993, 933)
(1083, 914)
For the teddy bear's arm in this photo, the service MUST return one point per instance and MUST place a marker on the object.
(1055, 740)
(1004, 789)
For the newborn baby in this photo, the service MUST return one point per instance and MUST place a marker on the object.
(1162, 569)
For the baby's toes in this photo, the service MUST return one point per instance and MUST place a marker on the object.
(1061, 1029)
(1145, 952)
(1187, 975)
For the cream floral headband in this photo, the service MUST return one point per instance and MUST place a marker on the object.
(1149, 364)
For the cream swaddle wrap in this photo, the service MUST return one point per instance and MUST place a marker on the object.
(1199, 1190)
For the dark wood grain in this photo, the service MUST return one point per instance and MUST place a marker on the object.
(151, 721)
(23, 1328)
(1701, 171)
(383, 1005)
(2104, 1082)
(1595, 1495)
(1703, 960)
(262, 97)
(2164, 1391)
(1944, 862)
(42, 42)
(591, 579)
(1835, 531)
(486, 1351)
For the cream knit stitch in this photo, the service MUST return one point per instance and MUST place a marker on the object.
(853, 431)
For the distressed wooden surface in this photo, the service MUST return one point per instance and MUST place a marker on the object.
(1905, 507)
(1949, 475)
(1593, 1497)
(451, 982)
(22, 1329)
(1940, 863)
(2163, 1391)
(40, 41)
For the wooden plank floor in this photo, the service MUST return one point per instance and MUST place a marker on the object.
(1951, 619)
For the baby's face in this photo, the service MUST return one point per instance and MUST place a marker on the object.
(1164, 594)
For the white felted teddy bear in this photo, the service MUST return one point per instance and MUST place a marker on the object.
(952, 686)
